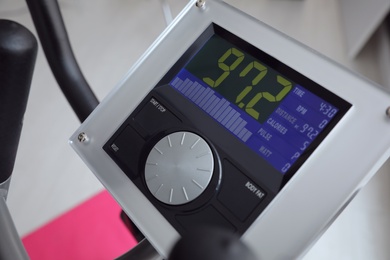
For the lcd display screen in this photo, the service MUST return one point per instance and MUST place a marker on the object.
(272, 114)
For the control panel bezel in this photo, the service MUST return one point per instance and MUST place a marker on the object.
(321, 187)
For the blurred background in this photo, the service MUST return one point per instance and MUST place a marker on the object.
(108, 36)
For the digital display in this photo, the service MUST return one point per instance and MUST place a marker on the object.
(273, 115)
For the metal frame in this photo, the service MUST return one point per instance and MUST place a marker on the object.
(11, 246)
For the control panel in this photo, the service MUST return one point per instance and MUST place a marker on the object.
(226, 122)
(222, 133)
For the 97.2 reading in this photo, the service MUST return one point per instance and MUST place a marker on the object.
(262, 72)
(254, 87)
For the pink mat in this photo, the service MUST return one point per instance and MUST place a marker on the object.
(92, 230)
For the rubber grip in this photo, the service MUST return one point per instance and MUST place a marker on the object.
(18, 51)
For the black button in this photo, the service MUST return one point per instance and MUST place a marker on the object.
(238, 193)
(206, 217)
(155, 117)
(127, 148)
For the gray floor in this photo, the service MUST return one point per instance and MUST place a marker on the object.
(108, 37)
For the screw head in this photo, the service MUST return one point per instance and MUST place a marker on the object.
(200, 3)
(82, 137)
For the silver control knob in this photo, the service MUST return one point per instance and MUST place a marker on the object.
(179, 168)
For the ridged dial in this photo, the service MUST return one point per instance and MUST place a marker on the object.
(179, 168)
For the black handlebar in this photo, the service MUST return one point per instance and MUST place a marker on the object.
(18, 51)
(55, 43)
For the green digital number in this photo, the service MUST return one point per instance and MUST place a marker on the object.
(248, 92)
(262, 72)
(268, 96)
(226, 68)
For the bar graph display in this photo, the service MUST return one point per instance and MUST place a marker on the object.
(274, 116)
(213, 104)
